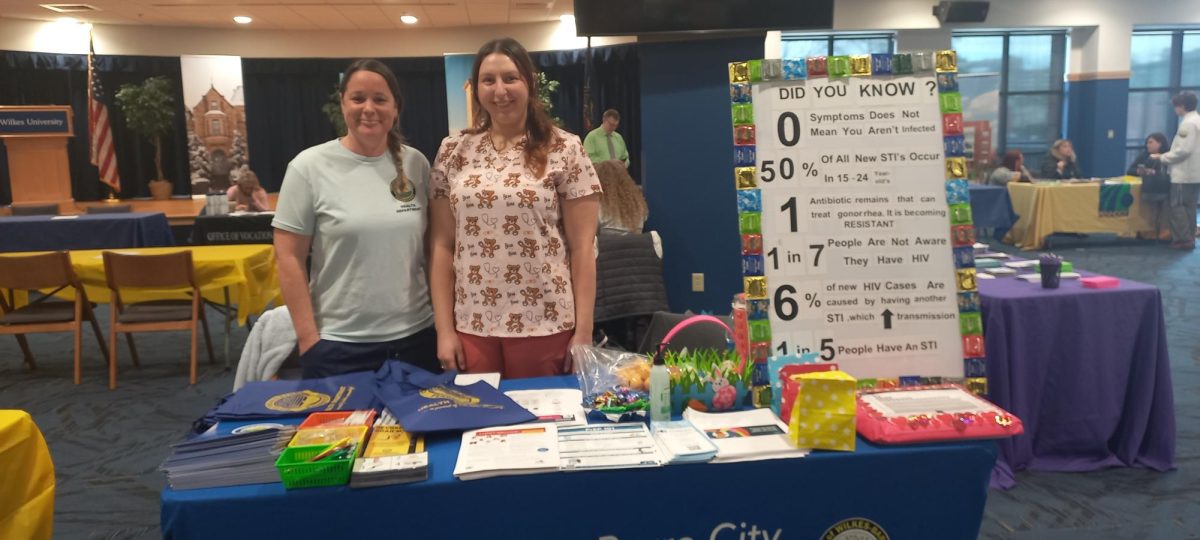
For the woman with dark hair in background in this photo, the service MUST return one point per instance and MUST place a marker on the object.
(1156, 181)
(360, 203)
(513, 213)
(1011, 169)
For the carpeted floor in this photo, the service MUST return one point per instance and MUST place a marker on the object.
(107, 445)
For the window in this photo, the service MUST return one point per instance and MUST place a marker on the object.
(214, 127)
(1163, 63)
(212, 105)
(806, 45)
(1031, 67)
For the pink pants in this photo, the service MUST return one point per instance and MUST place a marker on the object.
(516, 357)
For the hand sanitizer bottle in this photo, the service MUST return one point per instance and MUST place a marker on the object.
(660, 391)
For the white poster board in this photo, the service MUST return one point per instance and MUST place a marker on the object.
(858, 254)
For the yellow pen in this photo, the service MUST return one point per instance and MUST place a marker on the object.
(332, 448)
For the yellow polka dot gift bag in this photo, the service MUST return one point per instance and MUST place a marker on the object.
(823, 414)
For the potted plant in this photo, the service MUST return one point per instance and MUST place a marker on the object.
(333, 110)
(149, 110)
(546, 89)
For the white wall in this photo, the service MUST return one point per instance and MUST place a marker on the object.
(23, 35)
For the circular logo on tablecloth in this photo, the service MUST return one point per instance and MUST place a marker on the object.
(855, 529)
(298, 401)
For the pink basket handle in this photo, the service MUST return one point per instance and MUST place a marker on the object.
(662, 346)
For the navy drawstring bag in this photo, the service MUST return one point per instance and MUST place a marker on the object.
(425, 402)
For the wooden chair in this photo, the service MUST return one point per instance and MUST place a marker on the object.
(44, 314)
(170, 272)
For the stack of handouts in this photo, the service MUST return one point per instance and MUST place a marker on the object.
(393, 456)
(745, 435)
(508, 450)
(215, 460)
(680, 442)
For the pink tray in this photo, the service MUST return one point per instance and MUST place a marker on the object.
(1100, 282)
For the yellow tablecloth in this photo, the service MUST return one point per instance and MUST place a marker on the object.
(248, 270)
(26, 479)
(1050, 207)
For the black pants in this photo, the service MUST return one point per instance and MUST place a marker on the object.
(328, 357)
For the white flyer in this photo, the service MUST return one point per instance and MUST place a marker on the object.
(561, 406)
(746, 435)
(607, 446)
(523, 449)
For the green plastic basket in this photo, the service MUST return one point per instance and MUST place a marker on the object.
(297, 472)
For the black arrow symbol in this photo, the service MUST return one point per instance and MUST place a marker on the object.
(887, 319)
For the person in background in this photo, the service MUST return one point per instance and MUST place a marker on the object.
(514, 207)
(604, 143)
(1011, 169)
(1156, 182)
(359, 202)
(622, 206)
(1184, 162)
(1060, 163)
(247, 195)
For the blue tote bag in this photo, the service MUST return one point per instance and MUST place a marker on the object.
(423, 402)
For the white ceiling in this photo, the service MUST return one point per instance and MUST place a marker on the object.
(301, 14)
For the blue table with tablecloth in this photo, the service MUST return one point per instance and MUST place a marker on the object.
(992, 209)
(87, 231)
(921, 491)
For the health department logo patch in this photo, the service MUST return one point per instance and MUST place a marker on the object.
(298, 401)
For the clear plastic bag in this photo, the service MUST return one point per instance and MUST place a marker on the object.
(613, 382)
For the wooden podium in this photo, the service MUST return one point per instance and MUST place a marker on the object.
(36, 138)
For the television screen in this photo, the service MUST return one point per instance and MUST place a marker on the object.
(632, 17)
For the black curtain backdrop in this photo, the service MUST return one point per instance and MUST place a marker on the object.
(284, 99)
(283, 107)
(616, 84)
(61, 79)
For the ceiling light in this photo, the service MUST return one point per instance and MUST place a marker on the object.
(567, 19)
(408, 19)
(242, 19)
(67, 20)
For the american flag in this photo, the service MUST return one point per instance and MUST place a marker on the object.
(102, 154)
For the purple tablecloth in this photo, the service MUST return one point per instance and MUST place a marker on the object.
(1086, 370)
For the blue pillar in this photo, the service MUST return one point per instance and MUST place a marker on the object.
(1093, 108)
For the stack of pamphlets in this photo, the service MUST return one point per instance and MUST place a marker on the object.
(392, 456)
(499, 451)
(216, 459)
(680, 442)
(607, 446)
(745, 435)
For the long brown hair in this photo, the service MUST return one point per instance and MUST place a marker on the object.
(538, 127)
(395, 138)
(1010, 160)
(621, 198)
